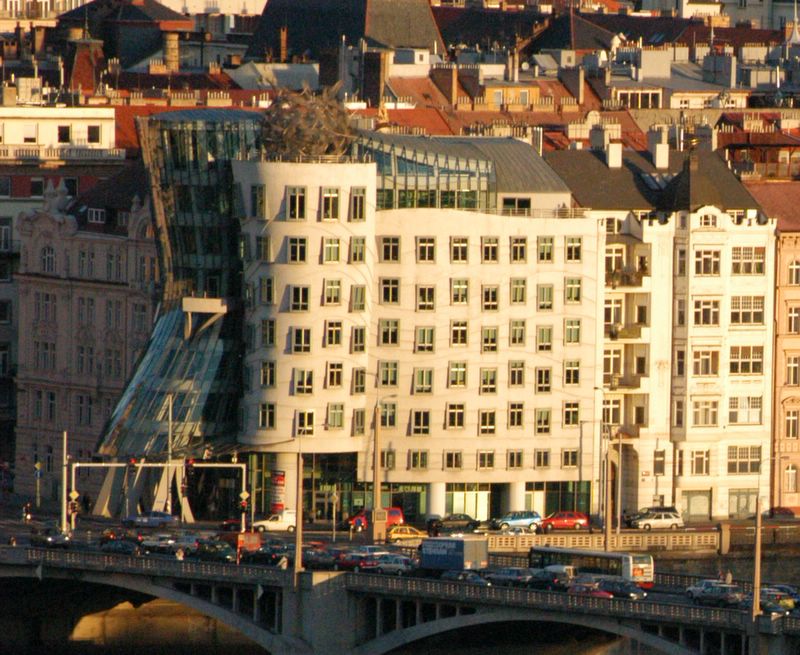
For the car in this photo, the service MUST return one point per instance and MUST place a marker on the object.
(527, 519)
(588, 589)
(160, 544)
(671, 520)
(213, 551)
(369, 549)
(285, 520)
(510, 576)
(356, 562)
(318, 559)
(49, 537)
(399, 534)
(452, 523)
(151, 519)
(470, 577)
(622, 589)
(549, 580)
(117, 534)
(789, 590)
(360, 520)
(234, 525)
(264, 556)
(716, 593)
(628, 519)
(565, 520)
(771, 601)
(394, 564)
(121, 547)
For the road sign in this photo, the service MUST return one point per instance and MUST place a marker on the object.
(37, 474)
(38, 466)
(74, 495)
(244, 495)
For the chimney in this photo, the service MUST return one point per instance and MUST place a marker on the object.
(694, 163)
(599, 138)
(38, 39)
(538, 139)
(614, 155)
(658, 146)
(172, 56)
(284, 46)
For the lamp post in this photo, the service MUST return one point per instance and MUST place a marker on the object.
(619, 480)
(756, 607)
(298, 528)
(377, 530)
(168, 504)
(64, 474)
(607, 518)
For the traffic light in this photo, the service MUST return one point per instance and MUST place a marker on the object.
(132, 461)
(188, 467)
(243, 505)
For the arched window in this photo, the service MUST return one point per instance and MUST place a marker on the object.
(790, 479)
(48, 260)
(794, 272)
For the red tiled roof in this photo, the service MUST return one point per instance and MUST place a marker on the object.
(779, 200)
(421, 90)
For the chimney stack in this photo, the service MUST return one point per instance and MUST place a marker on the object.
(284, 36)
(172, 56)
(658, 146)
(614, 155)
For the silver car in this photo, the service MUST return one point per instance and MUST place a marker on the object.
(394, 564)
(671, 520)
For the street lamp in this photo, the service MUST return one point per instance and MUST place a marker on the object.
(377, 531)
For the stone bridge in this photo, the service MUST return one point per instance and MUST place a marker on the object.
(325, 613)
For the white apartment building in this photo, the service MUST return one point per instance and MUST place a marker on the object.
(440, 288)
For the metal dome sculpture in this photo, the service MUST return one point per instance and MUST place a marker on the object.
(302, 124)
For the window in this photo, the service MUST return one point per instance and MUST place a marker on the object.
(748, 260)
(572, 371)
(572, 413)
(298, 299)
(569, 458)
(64, 133)
(517, 332)
(358, 339)
(459, 250)
(794, 320)
(489, 250)
(357, 250)
(335, 418)
(708, 220)
(263, 248)
(542, 421)
(544, 338)
(790, 479)
(420, 421)
(390, 290)
(489, 340)
(541, 459)
(301, 340)
(266, 416)
(258, 201)
(304, 419)
(792, 423)
(544, 297)
(680, 363)
(705, 362)
(295, 203)
(614, 260)
(455, 415)
(330, 203)
(706, 262)
(424, 340)
(794, 273)
(680, 311)
(747, 310)
(44, 355)
(388, 332)
(704, 413)
(519, 250)
(519, 291)
(516, 374)
(330, 250)
(488, 380)
(334, 375)
(452, 459)
(744, 459)
(747, 360)
(573, 247)
(5, 311)
(426, 298)
(659, 462)
(744, 410)
(48, 259)
(543, 379)
(298, 249)
(358, 204)
(417, 460)
(544, 249)
(359, 382)
(516, 413)
(572, 289)
(387, 374)
(359, 421)
(485, 459)
(268, 332)
(700, 462)
(490, 298)
(93, 134)
(303, 382)
(358, 298)
(612, 412)
(268, 374)
(457, 374)
(423, 380)
(95, 215)
(389, 249)
(459, 291)
(706, 312)
(426, 250)
(84, 361)
(487, 421)
(458, 333)
(572, 330)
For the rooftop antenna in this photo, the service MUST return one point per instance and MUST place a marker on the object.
(794, 39)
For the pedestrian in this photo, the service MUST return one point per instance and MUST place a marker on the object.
(729, 577)
(12, 540)
(283, 563)
(179, 554)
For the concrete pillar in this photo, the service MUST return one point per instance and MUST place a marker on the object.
(516, 496)
(235, 600)
(398, 614)
(214, 595)
(702, 641)
(436, 498)
(287, 462)
(256, 605)
(681, 636)
(418, 613)
(438, 611)
(722, 643)
(378, 622)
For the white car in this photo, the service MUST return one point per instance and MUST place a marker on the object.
(671, 520)
(285, 521)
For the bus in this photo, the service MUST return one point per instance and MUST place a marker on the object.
(633, 567)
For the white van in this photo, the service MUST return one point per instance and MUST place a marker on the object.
(285, 520)
(564, 571)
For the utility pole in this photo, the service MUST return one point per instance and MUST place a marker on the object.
(619, 480)
(757, 564)
(64, 477)
(168, 506)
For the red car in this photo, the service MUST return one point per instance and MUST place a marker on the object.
(564, 521)
(588, 589)
(356, 562)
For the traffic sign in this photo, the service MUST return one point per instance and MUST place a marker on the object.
(74, 495)
(38, 466)
(244, 495)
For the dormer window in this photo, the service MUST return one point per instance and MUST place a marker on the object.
(97, 215)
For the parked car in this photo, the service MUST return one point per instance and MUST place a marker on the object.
(318, 559)
(121, 547)
(356, 562)
(470, 577)
(510, 576)
(213, 551)
(452, 523)
(564, 521)
(671, 520)
(394, 564)
(264, 556)
(398, 534)
(628, 519)
(360, 520)
(549, 580)
(527, 519)
(588, 589)
(370, 549)
(49, 537)
(719, 594)
(151, 519)
(285, 520)
(622, 589)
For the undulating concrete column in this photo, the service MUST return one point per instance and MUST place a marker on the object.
(516, 496)
(436, 498)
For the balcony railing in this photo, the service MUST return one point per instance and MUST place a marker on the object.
(39, 153)
(625, 277)
(632, 331)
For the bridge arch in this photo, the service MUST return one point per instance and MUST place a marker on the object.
(407, 636)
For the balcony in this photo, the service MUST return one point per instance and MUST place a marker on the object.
(65, 153)
(625, 277)
(617, 331)
(615, 382)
